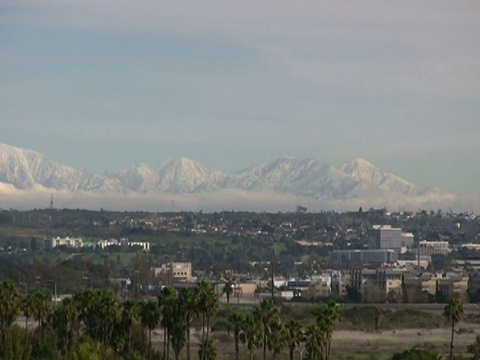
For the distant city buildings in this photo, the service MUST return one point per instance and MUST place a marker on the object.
(429, 248)
(66, 242)
(387, 237)
(102, 244)
(372, 256)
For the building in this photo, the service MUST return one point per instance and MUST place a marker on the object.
(68, 242)
(429, 248)
(340, 281)
(377, 284)
(371, 256)
(174, 272)
(387, 237)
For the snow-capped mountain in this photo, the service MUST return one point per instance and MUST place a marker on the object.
(290, 175)
(25, 168)
(370, 179)
(172, 176)
(287, 175)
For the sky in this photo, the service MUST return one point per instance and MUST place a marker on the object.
(104, 84)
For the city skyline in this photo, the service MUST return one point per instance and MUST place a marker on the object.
(103, 85)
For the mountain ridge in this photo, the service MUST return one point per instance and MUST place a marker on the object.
(23, 169)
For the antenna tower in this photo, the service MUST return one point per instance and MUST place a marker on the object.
(51, 202)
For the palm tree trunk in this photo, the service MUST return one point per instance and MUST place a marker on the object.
(237, 350)
(129, 343)
(188, 339)
(451, 340)
(264, 345)
(164, 343)
(26, 330)
(208, 326)
(168, 344)
(149, 344)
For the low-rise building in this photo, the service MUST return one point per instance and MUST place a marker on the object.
(355, 256)
(66, 241)
(174, 272)
(429, 248)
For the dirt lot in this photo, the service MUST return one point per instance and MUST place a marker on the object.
(355, 345)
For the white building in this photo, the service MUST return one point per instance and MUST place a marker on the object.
(66, 241)
(429, 248)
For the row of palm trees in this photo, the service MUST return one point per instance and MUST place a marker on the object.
(125, 328)
(100, 316)
(264, 328)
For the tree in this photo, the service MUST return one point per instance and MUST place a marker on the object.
(314, 341)
(251, 334)
(416, 354)
(42, 304)
(207, 349)
(453, 312)
(236, 319)
(189, 300)
(326, 316)
(228, 288)
(10, 305)
(277, 338)
(266, 312)
(166, 302)
(474, 348)
(177, 328)
(208, 305)
(130, 314)
(27, 309)
(294, 335)
(149, 317)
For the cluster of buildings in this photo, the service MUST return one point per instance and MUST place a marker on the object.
(78, 242)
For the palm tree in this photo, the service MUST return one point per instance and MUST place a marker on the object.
(208, 305)
(278, 337)
(294, 335)
(42, 304)
(149, 317)
(27, 309)
(177, 328)
(453, 312)
(228, 288)
(189, 300)
(166, 302)
(207, 349)
(236, 319)
(313, 341)
(266, 312)
(10, 305)
(326, 316)
(130, 313)
(251, 334)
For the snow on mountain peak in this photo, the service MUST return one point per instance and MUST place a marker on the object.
(301, 177)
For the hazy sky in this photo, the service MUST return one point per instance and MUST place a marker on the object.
(107, 84)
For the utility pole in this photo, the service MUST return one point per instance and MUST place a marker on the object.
(273, 257)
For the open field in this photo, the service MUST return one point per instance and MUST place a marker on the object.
(349, 344)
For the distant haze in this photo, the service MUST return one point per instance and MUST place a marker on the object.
(103, 85)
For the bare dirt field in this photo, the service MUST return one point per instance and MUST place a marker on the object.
(348, 344)
(358, 344)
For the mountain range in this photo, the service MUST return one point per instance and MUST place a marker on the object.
(25, 169)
